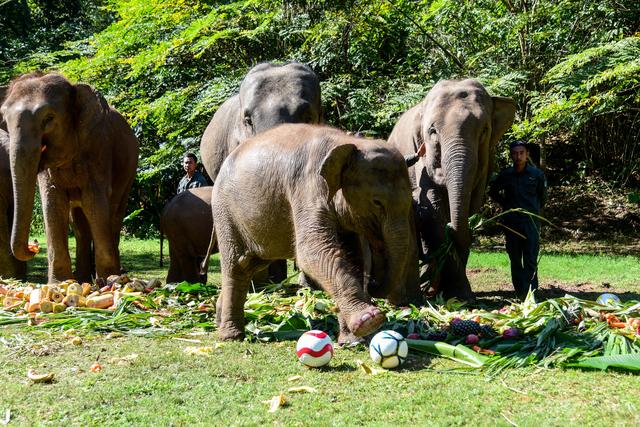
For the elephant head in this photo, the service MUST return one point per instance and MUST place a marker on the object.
(373, 199)
(47, 118)
(275, 94)
(269, 95)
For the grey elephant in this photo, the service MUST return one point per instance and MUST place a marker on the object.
(84, 156)
(311, 192)
(10, 266)
(461, 125)
(187, 222)
(269, 95)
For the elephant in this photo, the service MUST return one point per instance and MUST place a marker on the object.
(10, 266)
(270, 94)
(84, 156)
(187, 222)
(313, 193)
(461, 125)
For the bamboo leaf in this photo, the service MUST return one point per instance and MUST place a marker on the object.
(458, 353)
(630, 362)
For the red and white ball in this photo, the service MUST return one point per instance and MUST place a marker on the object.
(314, 349)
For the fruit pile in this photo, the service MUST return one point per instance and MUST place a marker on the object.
(56, 298)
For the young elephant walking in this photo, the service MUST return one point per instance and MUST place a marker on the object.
(310, 193)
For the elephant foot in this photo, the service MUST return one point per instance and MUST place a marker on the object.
(348, 339)
(230, 332)
(366, 321)
(345, 336)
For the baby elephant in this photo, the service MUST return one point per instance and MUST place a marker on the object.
(187, 223)
(313, 193)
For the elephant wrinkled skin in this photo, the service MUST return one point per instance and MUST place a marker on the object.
(313, 193)
(461, 125)
(84, 156)
(187, 222)
(9, 265)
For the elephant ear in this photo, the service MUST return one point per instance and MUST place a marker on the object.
(332, 166)
(91, 109)
(504, 112)
(3, 93)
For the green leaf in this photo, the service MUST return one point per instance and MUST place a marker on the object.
(458, 353)
(629, 362)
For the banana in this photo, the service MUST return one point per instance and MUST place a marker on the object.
(39, 378)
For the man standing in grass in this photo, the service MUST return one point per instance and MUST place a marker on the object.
(521, 186)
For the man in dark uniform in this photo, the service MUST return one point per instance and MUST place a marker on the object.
(193, 178)
(521, 186)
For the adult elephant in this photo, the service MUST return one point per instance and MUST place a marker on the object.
(10, 266)
(269, 95)
(461, 125)
(187, 222)
(313, 193)
(84, 156)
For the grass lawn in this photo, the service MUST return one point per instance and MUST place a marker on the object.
(153, 381)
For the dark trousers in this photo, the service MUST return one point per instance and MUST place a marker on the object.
(523, 253)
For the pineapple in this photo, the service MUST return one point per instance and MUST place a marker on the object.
(462, 328)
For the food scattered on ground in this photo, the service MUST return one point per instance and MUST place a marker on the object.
(558, 332)
(40, 378)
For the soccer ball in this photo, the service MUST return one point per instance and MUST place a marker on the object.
(608, 299)
(314, 349)
(388, 349)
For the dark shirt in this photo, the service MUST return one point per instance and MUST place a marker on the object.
(411, 159)
(526, 190)
(197, 180)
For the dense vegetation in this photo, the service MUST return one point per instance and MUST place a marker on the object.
(573, 67)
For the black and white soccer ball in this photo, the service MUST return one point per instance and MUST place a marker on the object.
(388, 349)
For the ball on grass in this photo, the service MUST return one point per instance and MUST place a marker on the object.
(388, 349)
(608, 299)
(314, 349)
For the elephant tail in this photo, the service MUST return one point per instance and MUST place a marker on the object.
(204, 265)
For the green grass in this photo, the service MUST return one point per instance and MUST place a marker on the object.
(165, 386)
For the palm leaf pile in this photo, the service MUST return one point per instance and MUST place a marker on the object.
(560, 332)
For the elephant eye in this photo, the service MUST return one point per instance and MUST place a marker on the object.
(432, 130)
(47, 121)
(378, 204)
(247, 120)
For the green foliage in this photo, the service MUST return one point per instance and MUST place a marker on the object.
(168, 65)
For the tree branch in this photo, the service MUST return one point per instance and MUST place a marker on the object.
(446, 51)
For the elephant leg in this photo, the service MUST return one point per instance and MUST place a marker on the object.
(84, 268)
(339, 278)
(236, 280)
(106, 255)
(345, 336)
(55, 210)
(9, 265)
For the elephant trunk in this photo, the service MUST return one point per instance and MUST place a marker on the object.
(24, 160)
(461, 168)
(397, 237)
